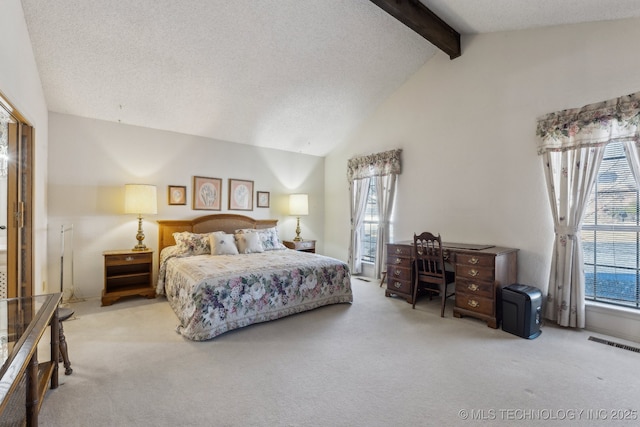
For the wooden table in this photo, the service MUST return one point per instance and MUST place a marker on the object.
(23, 322)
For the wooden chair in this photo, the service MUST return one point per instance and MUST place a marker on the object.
(430, 274)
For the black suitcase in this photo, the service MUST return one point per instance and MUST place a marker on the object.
(522, 310)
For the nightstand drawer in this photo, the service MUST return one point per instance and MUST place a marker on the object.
(130, 258)
(301, 245)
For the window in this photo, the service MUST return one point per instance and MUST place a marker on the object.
(610, 233)
(370, 224)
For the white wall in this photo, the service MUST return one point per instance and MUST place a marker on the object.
(20, 83)
(91, 160)
(467, 129)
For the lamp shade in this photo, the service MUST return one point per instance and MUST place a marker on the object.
(299, 204)
(140, 199)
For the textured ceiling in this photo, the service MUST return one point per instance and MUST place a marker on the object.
(297, 75)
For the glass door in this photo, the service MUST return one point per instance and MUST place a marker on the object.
(16, 203)
(5, 119)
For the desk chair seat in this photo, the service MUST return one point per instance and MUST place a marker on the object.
(430, 273)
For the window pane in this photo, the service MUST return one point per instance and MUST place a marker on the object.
(610, 234)
(370, 226)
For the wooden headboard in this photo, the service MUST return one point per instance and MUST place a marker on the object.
(228, 223)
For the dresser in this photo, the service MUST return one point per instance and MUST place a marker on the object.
(481, 272)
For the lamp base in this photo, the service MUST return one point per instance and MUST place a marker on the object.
(140, 237)
(297, 238)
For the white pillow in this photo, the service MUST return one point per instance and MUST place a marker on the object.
(268, 237)
(222, 244)
(249, 243)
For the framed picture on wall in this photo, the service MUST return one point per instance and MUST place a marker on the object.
(240, 195)
(177, 195)
(263, 199)
(207, 193)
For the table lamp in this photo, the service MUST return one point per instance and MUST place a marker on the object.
(140, 199)
(298, 205)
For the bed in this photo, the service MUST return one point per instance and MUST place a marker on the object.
(213, 290)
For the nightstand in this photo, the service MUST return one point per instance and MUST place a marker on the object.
(301, 245)
(127, 273)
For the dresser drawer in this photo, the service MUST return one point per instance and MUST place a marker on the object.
(398, 251)
(402, 286)
(474, 287)
(475, 303)
(472, 272)
(398, 262)
(476, 260)
(398, 273)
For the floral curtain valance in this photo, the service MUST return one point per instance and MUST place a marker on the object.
(594, 124)
(378, 164)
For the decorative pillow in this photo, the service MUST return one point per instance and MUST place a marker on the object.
(268, 237)
(223, 244)
(249, 243)
(192, 243)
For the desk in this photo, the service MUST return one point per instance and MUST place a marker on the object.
(23, 381)
(481, 271)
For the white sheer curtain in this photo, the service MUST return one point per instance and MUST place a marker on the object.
(571, 147)
(570, 176)
(384, 167)
(386, 192)
(358, 189)
(632, 153)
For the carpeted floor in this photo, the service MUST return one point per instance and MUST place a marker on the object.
(375, 362)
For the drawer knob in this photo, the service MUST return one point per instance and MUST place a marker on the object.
(397, 272)
(473, 260)
(398, 261)
(473, 303)
(473, 287)
(397, 285)
(398, 250)
(129, 258)
(473, 272)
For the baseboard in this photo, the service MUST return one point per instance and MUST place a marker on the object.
(613, 321)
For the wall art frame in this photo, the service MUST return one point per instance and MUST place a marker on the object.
(207, 193)
(177, 194)
(240, 195)
(262, 199)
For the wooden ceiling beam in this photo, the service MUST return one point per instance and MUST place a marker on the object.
(423, 21)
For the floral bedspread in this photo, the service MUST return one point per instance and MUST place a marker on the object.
(215, 294)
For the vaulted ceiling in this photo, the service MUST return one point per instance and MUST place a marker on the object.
(297, 75)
